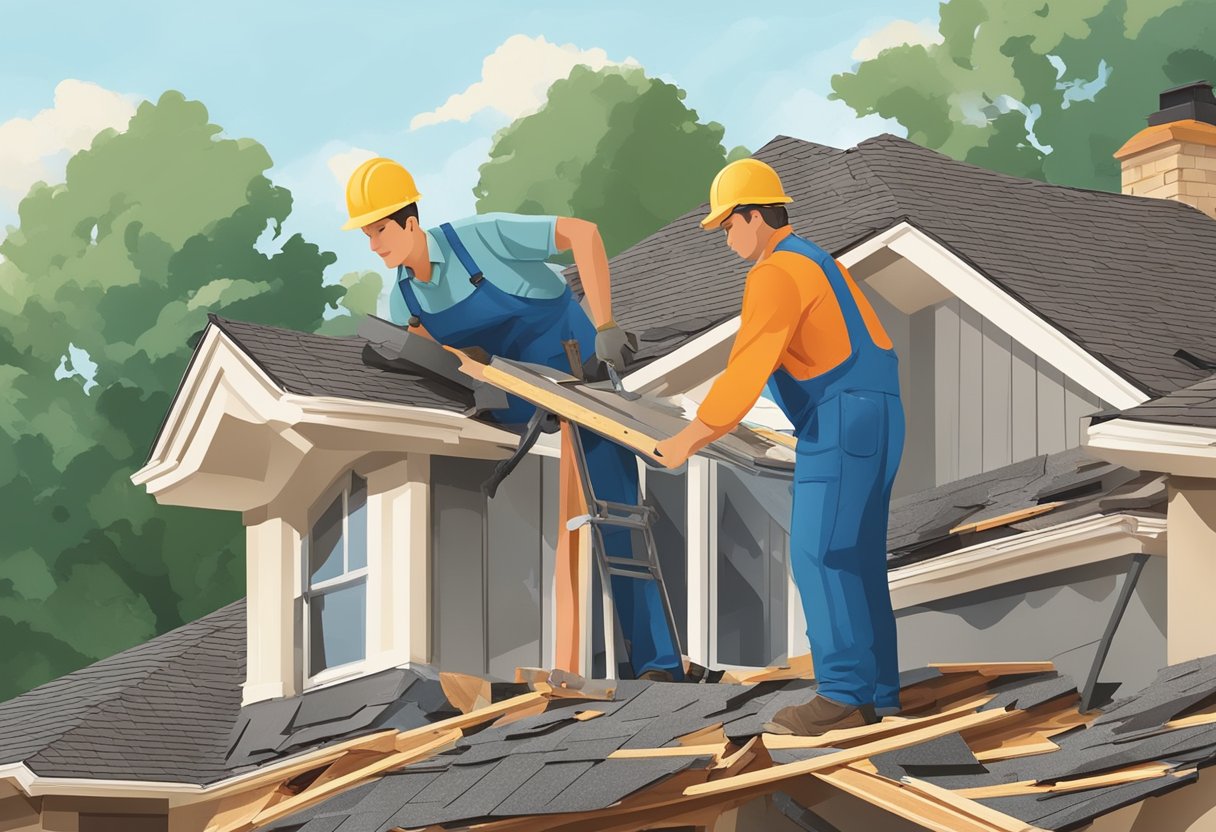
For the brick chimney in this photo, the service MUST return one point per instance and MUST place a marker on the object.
(1175, 156)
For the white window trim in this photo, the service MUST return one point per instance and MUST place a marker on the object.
(1181, 450)
(341, 488)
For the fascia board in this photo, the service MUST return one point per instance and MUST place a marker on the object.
(1181, 450)
(1075, 543)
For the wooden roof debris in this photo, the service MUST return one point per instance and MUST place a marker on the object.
(983, 747)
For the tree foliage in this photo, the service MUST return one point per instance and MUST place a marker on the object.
(1081, 75)
(612, 146)
(153, 228)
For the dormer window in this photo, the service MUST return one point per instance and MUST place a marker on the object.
(335, 592)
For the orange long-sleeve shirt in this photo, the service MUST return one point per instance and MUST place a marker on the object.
(790, 318)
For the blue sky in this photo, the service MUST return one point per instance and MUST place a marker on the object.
(321, 85)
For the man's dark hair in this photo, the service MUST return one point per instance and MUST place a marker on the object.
(774, 216)
(402, 214)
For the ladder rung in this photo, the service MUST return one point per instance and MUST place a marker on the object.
(623, 522)
(628, 573)
(627, 508)
(628, 562)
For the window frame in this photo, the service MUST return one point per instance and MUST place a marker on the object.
(341, 489)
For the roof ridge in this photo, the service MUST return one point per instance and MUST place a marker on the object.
(877, 142)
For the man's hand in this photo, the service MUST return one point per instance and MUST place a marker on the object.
(674, 452)
(612, 346)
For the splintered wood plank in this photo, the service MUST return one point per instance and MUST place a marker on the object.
(1133, 774)
(1012, 751)
(583, 716)
(315, 794)
(715, 750)
(535, 709)
(995, 668)
(849, 755)
(732, 764)
(703, 736)
(774, 436)
(1206, 718)
(466, 692)
(1000, 820)
(1006, 519)
(235, 813)
(425, 734)
(904, 802)
(285, 770)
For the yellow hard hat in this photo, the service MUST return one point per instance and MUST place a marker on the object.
(742, 182)
(377, 188)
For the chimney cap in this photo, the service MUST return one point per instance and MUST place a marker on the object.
(1187, 101)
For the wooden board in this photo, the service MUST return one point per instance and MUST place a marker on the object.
(467, 693)
(890, 725)
(849, 755)
(1005, 519)
(1147, 771)
(995, 668)
(904, 802)
(638, 424)
(387, 763)
(1000, 820)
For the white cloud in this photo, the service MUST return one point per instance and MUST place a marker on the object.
(515, 78)
(343, 164)
(38, 148)
(897, 33)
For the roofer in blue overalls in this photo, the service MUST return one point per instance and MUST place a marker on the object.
(484, 282)
(808, 333)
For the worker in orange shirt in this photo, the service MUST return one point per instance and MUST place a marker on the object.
(809, 334)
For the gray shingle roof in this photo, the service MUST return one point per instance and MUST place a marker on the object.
(1130, 278)
(1194, 406)
(321, 365)
(920, 523)
(553, 763)
(160, 711)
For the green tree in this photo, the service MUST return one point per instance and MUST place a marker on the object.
(612, 146)
(361, 291)
(153, 228)
(1080, 76)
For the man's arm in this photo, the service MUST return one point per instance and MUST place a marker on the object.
(772, 307)
(583, 238)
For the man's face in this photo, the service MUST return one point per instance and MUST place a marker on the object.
(392, 243)
(743, 234)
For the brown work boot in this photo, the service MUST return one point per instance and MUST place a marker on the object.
(656, 674)
(819, 716)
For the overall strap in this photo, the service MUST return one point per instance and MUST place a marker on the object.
(854, 324)
(405, 286)
(462, 254)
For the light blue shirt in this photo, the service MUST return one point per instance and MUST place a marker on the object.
(510, 249)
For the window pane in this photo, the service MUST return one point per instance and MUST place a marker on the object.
(325, 549)
(356, 526)
(338, 626)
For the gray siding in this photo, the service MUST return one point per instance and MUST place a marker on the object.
(995, 401)
(492, 562)
(1059, 616)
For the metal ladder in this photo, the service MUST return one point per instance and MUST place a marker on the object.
(635, 518)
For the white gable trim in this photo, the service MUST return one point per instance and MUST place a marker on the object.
(1181, 450)
(224, 389)
(972, 288)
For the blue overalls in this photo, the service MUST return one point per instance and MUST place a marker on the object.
(849, 424)
(532, 330)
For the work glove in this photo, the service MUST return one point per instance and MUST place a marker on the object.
(613, 345)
